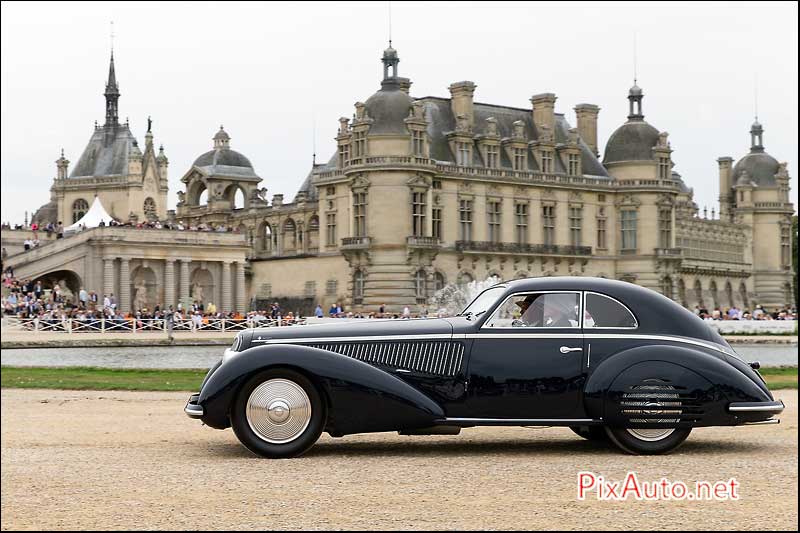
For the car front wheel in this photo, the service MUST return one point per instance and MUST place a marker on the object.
(278, 413)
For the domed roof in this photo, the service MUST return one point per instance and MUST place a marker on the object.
(222, 135)
(635, 90)
(222, 156)
(761, 169)
(388, 108)
(633, 141)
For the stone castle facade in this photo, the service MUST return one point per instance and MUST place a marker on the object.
(421, 192)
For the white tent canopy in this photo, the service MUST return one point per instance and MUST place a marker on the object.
(92, 218)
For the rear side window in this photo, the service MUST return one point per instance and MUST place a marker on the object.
(605, 312)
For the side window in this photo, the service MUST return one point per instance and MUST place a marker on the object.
(605, 312)
(548, 310)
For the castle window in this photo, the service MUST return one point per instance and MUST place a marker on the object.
(549, 224)
(494, 212)
(311, 289)
(149, 208)
(463, 154)
(547, 161)
(420, 288)
(575, 225)
(465, 219)
(331, 286)
(418, 141)
(786, 246)
(665, 227)
(492, 156)
(418, 209)
(520, 159)
(79, 208)
(663, 168)
(521, 212)
(436, 223)
(330, 222)
(628, 229)
(437, 184)
(601, 233)
(360, 144)
(344, 155)
(358, 287)
(438, 281)
(359, 214)
(574, 164)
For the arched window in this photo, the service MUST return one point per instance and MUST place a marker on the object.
(238, 198)
(743, 295)
(698, 292)
(682, 293)
(149, 208)
(266, 238)
(420, 286)
(79, 208)
(666, 286)
(203, 198)
(358, 287)
(788, 295)
(439, 281)
(712, 289)
(464, 278)
(289, 234)
(729, 294)
(313, 224)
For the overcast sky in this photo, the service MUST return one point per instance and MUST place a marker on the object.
(269, 71)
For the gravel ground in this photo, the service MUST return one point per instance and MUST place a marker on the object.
(132, 460)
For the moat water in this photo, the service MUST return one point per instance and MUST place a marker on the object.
(207, 356)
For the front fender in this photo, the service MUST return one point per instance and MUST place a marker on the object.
(707, 383)
(361, 397)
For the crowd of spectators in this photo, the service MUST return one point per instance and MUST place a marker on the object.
(735, 313)
(58, 229)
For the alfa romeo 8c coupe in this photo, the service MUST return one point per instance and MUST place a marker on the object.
(608, 359)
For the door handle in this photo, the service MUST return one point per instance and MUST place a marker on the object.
(566, 349)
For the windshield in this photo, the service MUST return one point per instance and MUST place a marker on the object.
(484, 301)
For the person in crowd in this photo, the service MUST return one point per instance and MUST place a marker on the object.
(318, 312)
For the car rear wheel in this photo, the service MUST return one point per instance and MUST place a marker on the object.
(653, 402)
(278, 413)
(592, 433)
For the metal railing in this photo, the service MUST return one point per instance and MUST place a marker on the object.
(139, 325)
(512, 247)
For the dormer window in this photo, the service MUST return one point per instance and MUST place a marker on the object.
(463, 154)
(547, 161)
(360, 143)
(344, 155)
(520, 159)
(418, 142)
(492, 156)
(663, 168)
(574, 164)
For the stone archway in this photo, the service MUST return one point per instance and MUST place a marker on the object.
(194, 191)
(69, 283)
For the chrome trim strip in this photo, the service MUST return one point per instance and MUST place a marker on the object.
(437, 336)
(193, 410)
(767, 407)
(503, 421)
(762, 422)
(684, 340)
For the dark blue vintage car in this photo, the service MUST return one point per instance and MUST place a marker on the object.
(606, 358)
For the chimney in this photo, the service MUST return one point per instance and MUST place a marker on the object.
(405, 84)
(277, 200)
(544, 110)
(586, 115)
(461, 100)
(725, 164)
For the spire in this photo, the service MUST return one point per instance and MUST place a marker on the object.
(112, 95)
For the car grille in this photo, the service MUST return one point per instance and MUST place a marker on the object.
(436, 358)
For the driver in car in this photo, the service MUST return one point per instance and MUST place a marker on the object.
(554, 314)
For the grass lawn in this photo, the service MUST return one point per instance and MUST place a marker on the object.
(93, 378)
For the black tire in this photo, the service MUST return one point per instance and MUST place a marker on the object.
(299, 443)
(630, 443)
(592, 433)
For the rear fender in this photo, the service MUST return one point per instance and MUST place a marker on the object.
(705, 383)
(361, 397)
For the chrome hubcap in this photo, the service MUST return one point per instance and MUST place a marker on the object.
(278, 411)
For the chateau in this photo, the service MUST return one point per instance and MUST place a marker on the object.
(425, 191)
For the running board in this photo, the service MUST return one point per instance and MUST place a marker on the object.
(468, 422)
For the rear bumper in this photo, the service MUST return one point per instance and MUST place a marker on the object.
(192, 408)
